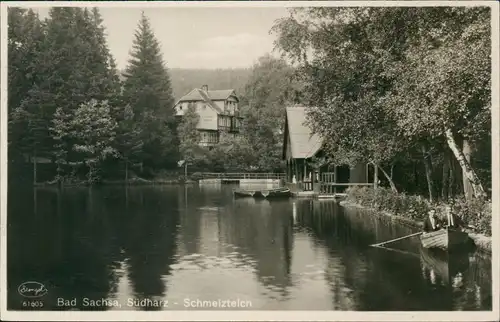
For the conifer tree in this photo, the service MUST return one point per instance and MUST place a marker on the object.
(26, 36)
(148, 90)
(129, 139)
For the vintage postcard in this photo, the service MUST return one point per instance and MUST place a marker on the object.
(260, 160)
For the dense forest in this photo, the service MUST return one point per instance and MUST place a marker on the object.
(68, 107)
(185, 79)
(75, 118)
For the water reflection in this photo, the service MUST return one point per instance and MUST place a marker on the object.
(198, 242)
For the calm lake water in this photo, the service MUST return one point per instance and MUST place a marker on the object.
(183, 244)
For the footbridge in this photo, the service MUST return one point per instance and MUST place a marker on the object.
(241, 177)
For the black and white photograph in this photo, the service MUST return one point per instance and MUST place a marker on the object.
(261, 160)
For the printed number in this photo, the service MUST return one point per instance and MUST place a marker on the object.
(33, 304)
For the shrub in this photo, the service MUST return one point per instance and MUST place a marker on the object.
(196, 176)
(476, 212)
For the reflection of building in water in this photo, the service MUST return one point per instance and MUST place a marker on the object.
(199, 222)
(262, 230)
(209, 187)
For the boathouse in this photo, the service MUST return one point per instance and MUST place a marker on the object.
(301, 146)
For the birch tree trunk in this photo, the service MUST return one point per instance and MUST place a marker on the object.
(375, 176)
(467, 170)
(466, 150)
(391, 183)
(428, 173)
(446, 176)
(451, 183)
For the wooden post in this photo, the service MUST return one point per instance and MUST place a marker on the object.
(34, 168)
(335, 174)
(296, 169)
(305, 170)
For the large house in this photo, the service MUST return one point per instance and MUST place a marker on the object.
(218, 111)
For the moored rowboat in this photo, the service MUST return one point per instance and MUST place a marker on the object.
(276, 193)
(445, 239)
(269, 194)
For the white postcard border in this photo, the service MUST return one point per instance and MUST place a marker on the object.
(253, 315)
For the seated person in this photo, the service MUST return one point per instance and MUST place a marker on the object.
(431, 222)
(453, 221)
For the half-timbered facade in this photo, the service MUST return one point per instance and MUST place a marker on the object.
(218, 110)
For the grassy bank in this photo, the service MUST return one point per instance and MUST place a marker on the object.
(476, 213)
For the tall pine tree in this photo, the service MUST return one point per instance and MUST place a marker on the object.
(147, 89)
(26, 37)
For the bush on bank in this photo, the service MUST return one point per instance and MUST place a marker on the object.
(476, 212)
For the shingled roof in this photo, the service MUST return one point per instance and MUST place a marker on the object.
(304, 143)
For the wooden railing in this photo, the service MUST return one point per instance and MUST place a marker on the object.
(332, 187)
(241, 175)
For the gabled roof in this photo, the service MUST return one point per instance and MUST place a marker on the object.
(221, 95)
(198, 94)
(303, 143)
(194, 95)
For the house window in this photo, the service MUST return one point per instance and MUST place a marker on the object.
(210, 137)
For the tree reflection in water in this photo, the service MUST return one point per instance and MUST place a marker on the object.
(173, 242)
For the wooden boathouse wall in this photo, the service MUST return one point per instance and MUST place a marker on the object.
(300, 146)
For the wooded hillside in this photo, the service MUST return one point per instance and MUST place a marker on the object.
(185, 79)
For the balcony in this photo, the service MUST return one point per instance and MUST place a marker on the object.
(229, 123)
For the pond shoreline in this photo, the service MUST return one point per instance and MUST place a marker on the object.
(131, 182)
(482, 242)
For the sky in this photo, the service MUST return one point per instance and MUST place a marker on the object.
(195, 37)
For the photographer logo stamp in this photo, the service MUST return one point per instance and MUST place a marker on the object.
(32, 289)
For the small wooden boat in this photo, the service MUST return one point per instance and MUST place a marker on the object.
(268, 194)
(276, 193)
(446, 239)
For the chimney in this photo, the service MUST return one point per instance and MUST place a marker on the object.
(205, 88)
